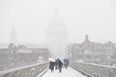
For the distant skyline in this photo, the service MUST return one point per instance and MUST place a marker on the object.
(97, 18)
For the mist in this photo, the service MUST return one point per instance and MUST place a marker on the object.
(31, 17)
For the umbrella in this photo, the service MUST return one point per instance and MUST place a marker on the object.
(51, 59)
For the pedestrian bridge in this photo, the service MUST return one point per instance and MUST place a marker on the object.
(70, 72)
(76, 69)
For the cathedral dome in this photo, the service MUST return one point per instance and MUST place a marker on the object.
(57, 30)
(56, 22)
(57, 35)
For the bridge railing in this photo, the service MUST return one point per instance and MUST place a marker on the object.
(95, 70)
(28, 71)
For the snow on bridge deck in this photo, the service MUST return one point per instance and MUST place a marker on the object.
(70, 72)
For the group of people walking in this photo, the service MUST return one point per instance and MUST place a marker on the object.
(58, 64)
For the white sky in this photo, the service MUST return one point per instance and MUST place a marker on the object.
(97, 18)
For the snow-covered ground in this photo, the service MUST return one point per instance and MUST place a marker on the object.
(70, 72)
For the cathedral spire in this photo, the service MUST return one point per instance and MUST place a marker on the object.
(56, 13)
(86, 41)
(86, 38)
(13, 37)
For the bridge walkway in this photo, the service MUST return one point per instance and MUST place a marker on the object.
(70, 72)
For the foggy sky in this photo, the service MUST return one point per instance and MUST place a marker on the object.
(97, 18)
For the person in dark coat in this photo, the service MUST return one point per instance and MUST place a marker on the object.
(66, 62)
(51, 66)
(56, 64)
(60, 65)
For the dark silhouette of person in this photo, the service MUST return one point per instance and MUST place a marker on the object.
(51, 66)
(66, 63)
(56, 64)
(60, 65)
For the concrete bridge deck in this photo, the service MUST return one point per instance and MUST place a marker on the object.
(70, 72)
